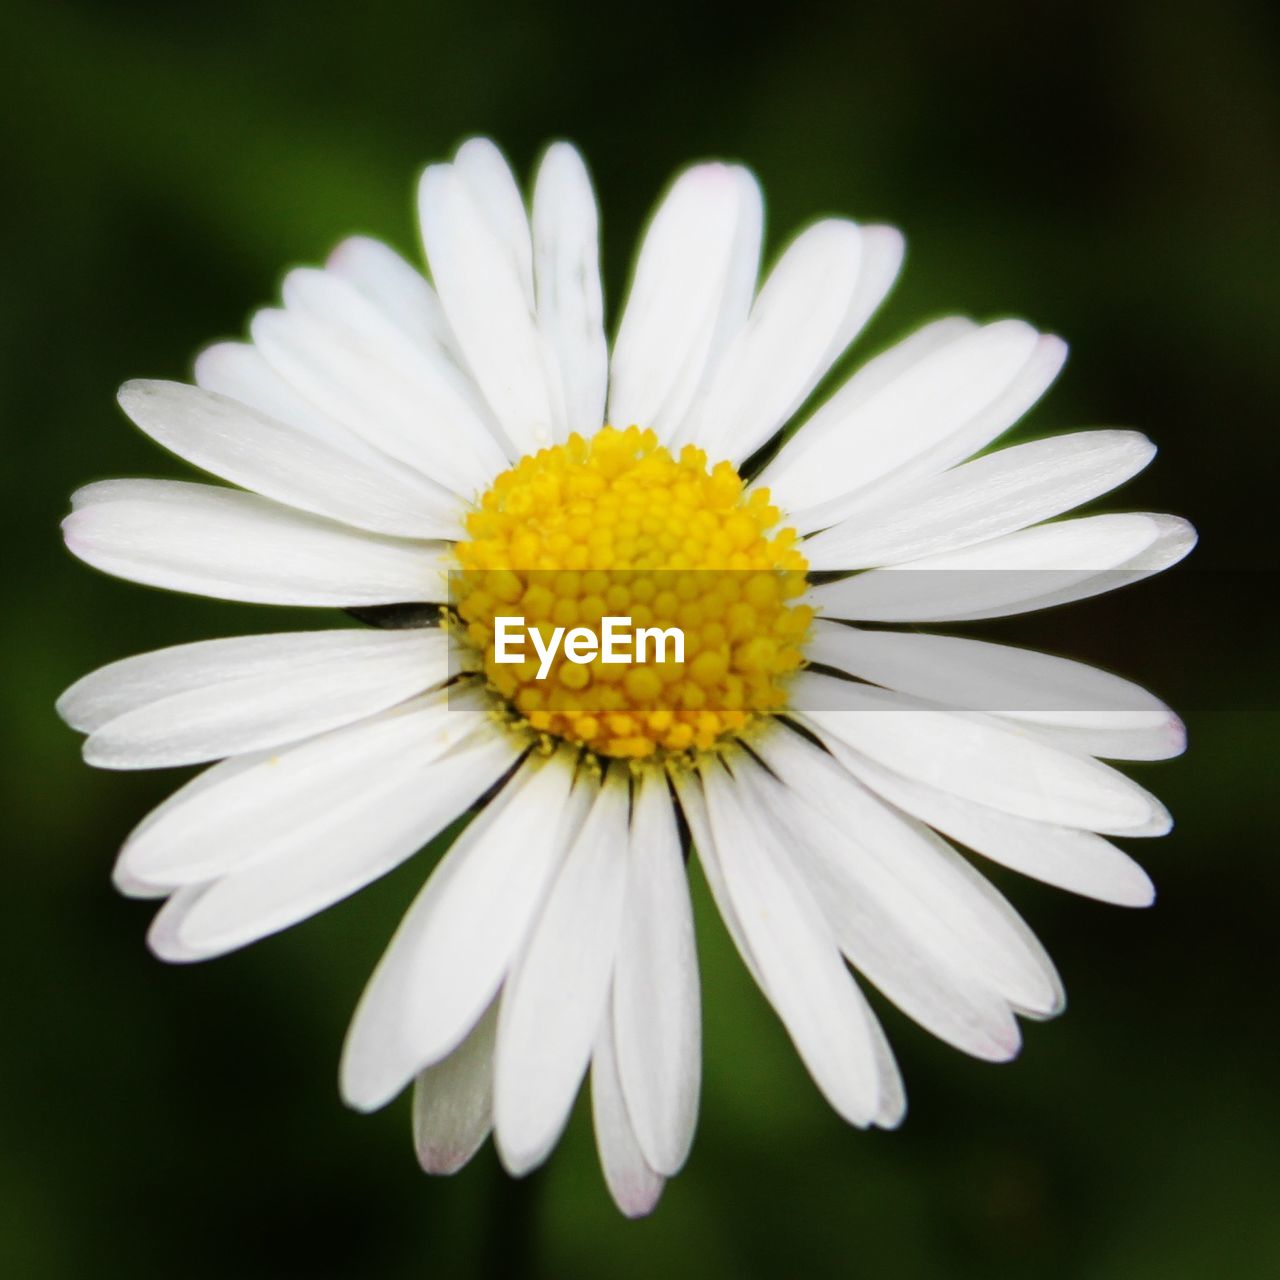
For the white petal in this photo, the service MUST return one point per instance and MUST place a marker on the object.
(807, 313)
(1111, 735)
(882, 252)
(891, 1107)
(1031, 569)
(632, 1182)
(555, 996)
(905, 355)
(276, 804)
(477, 257)
(125, 879)
(131, 683)
(341, 354)
(891, 1102)
(493, 187)
(566, 242)
(655, 985)
(1046, 998)
(993, 762)
(340, 852)
(944, 407)
(131, 887)
(921, 882)
(453, 1101)
(974, 674)
(983, 499)
(241, 372)
(806, 980)
(1175, 538)
(163, 937)
(430, 370)
(239, 546)
(1074, 705)
(296, 695)
(457, 941)
(694, 279)
(396, 288)
(1078, 861)
(237, 443)
(693, 805)
(898, 940)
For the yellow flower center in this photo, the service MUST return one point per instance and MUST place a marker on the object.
(617, 526)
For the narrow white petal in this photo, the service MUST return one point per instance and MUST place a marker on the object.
(694, 279)
(893, 938)
(1031, 569)
(923, 883)
(296, 696)
(477, 261)
(806, 314)
(1111, 735)
(631, 1180)
(1067, 702)
(555, 997)
(891, 1103)
(882, 253)
(657, 1015)
(693, 805)
(1175, 538)
(891, 1107)
(458, 940)
(130, 886)
(983, 499)
(162, 936)
(566, 244)
(807, 982)
(903, 356)
(974, 674)
(1077, 861)
(340, 852)
(453, 1101)
(1039, 1003)
(277, 804)
(237, 443)
(981, 758)
(945, 406)
(399, 290)
(430, 371)
(239, 546)
(241, 372)
(125, 879)
(131, 683)
(488, 177)
(337, 351)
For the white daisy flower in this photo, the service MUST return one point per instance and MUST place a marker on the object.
(385, 430)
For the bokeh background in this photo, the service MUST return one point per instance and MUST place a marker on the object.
(1108, 170)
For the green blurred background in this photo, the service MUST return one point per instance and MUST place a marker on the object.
(1109, 171)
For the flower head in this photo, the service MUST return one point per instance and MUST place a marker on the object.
(472, 443)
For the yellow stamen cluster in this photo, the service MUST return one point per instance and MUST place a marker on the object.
(616, 525)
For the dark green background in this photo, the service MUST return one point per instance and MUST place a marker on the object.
(1108, 171)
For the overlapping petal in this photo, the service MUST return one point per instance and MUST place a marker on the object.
(239, 546)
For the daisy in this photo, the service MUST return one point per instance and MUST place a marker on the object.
(442, 444)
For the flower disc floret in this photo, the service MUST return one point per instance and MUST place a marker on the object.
(618, 526)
